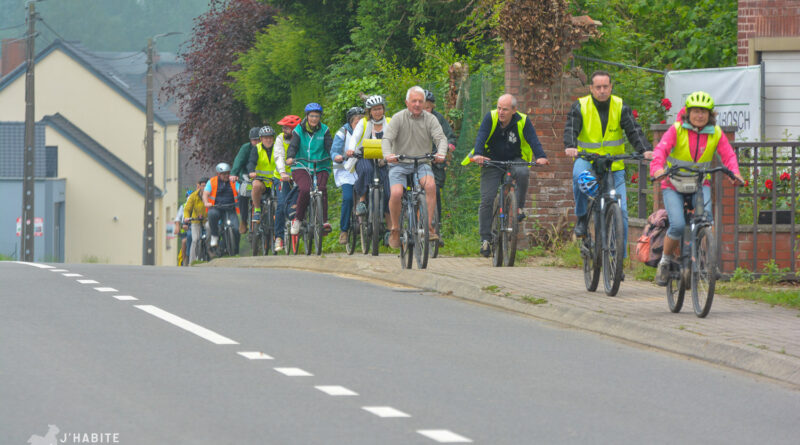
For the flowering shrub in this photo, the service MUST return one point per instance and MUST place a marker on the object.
(666, 103)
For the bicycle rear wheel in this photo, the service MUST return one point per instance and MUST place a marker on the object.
(613, 249)
(590, 252)
(317, 202)
(434, 245)
(255, 234)
(406, 235)
(676, 288)
(375, 217)
(511, 229)
(268, 225)
(422, 232)
(352, 232)
(704, 272)
(498, 224)
(230, 241)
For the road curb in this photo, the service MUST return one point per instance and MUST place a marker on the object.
(746, 358)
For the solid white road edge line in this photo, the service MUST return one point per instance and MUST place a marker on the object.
(444, 436)
(385, 411)
(187, 325)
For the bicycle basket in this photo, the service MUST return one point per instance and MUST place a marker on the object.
(372, 149)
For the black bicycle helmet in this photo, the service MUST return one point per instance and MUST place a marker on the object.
(254, 133)
(352, 112)
(266, 130)
(429, 97)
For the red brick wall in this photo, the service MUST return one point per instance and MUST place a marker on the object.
(766, 18)
(13, 55)
(550, 188)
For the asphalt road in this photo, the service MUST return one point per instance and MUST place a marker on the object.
(412, 367)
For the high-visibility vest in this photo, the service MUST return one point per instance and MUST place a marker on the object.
(360, 142)
(266, 166)
(281, 139)
(681, 154)
(592, 139)
(212, 197)
(525, 147)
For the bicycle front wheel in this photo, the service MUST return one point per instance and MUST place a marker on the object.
(498, 225)
(434, 245)
(511, 229)
(318, 225)
(230, 241)
(422, 232)
(352, 232)
(406, 235)
(375, 217)
(590, 248)
(704, 272)
(613, 249)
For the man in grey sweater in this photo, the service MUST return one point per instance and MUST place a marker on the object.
(411, 132)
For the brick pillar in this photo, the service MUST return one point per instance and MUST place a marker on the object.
(550, 200)
(13, 55)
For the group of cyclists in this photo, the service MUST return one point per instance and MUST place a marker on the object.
(596, 124)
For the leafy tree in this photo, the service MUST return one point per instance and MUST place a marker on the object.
(213, 119)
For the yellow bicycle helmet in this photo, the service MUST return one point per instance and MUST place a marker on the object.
(700, 99)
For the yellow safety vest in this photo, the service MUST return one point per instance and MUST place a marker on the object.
(525, 147)
(265, 167)
(591, 138)
(681, 154)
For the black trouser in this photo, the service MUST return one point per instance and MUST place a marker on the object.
(244, 210)
(214, 216)
(490, 181)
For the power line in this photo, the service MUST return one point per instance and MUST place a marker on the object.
(12, 27)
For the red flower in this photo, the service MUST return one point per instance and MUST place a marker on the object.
(768, 184)
(635, 114)
(746, 183)
(663, 121)
(763, 198)
(666, 103)
(635, 178)
(785, 176)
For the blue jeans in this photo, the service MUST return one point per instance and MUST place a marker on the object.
(581, 199)
(280, 213)
(673, 202)
(347, 207)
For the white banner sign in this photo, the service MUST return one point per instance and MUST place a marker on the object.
(736, 92)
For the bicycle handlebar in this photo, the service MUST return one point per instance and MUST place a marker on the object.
(315, 161)
(428, 156)
(498, 164)
(689, 172)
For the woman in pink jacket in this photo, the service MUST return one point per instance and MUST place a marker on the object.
(696, 142)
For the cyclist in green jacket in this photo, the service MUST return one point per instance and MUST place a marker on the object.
(240, 170)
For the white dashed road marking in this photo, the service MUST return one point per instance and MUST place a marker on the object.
(294, 372)
(187, 325)
(88, 282)
(105, 289)
(59, 270)
(72, 275)
(40, 266)
(444, 436)
(254, 355)
(385, 411)
(336, 391)
(125, 298)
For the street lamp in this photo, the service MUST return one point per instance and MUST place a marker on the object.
(149, 248)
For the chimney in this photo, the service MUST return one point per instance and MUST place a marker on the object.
(13, 55)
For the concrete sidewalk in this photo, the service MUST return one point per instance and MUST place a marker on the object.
(740, 334)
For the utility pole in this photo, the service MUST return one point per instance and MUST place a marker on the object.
(149, 238)
(149, 253)
(29, 158)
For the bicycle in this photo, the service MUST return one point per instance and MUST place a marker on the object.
(604, 222)
(311, 228)
(262, 234)
(414, 230)
(436, 223)
(697, 264)
(371, 230)
(227, 231)
(352, 231)
(202, 243)
(505, 225)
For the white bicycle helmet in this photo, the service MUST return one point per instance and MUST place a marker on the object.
(373, 101)
(223, 167)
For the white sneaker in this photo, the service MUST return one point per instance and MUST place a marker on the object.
(214, 241)
(662, 273)
(278, 244)
(295, 227)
